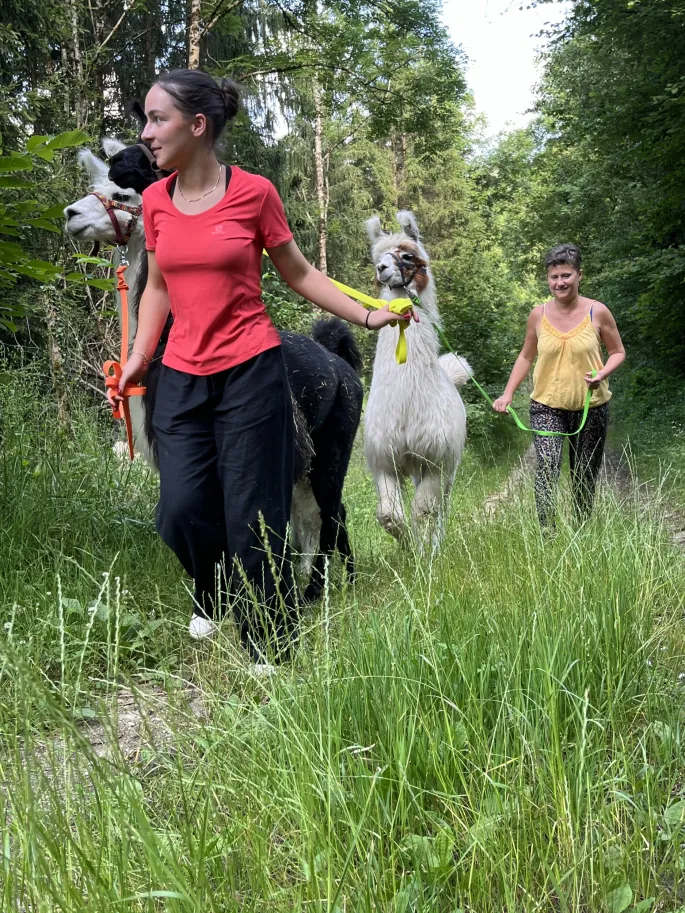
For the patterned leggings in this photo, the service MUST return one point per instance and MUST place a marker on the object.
(585, 457)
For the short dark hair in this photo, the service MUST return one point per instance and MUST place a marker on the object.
(564, 253)
(195, 92)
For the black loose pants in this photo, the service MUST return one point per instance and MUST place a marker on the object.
(226, 478)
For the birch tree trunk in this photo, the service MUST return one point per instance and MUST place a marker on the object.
(99, 75)
(194, 34)
(395, 170)
(65, 70)
(398, 145)
(320, 177)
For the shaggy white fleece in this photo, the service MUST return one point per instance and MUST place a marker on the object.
(415, 422)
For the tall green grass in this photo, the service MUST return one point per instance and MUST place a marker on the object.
(651, 417)
(495, 728)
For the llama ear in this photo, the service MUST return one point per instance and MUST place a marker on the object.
(408, 223)
(95, 167)
(111, 146)
(374, 229)
(136, 109)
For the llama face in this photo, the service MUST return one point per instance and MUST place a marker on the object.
(131, 168)
(87, 219)
(402, 266)
(400, 259)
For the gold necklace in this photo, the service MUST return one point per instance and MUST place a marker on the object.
(197, 199)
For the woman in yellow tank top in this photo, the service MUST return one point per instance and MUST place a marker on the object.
(565, 335)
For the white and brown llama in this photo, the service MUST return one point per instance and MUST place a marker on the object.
(88, 219)
(415, 421)
(323, 370)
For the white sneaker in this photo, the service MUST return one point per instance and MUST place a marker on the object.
(263, 670)
(201, 628)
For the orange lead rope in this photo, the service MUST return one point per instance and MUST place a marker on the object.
(112, 369)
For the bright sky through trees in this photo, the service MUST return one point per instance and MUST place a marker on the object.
(501, 39)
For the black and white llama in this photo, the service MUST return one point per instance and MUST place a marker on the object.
(323, 370)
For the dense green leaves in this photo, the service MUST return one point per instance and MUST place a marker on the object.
(611, 167)
(20, 218)
(602, 165)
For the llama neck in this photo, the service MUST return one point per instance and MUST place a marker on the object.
(135, 252)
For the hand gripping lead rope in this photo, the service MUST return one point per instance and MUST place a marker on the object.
(400, 306)
(112, 369)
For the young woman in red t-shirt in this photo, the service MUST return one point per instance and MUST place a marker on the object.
(223, 413)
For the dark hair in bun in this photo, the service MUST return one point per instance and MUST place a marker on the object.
(231, 93)
(195, 92)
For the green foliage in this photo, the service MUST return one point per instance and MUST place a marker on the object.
(287, 310)
(20, 217)
(496, 727)
(31, 84)
(610, 167)
(603, 166)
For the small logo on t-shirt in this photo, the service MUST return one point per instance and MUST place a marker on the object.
(218, 229)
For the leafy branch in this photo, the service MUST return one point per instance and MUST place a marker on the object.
(18, 217)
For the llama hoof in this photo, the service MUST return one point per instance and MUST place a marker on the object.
(396, 528)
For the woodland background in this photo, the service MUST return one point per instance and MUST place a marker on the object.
(353, 108)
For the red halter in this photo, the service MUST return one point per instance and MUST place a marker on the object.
(134, 211)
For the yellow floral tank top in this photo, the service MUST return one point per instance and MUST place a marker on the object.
(563, 360)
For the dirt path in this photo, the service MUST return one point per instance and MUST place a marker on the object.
(143, 719)
(136, 724)
(617, 474)
(521, 473)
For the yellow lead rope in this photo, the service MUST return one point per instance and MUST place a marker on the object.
(399, 306)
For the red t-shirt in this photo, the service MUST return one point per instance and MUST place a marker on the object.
(211, 263)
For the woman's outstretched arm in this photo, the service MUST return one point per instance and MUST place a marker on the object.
(307, 281)
(523, 363)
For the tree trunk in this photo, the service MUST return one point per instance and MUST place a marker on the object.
(395, 170)
(320, 178)
(194, 33)
(99, 74)
(77, 64)
(151, 28)
(403, 171)
(398, 145)
(65, 70)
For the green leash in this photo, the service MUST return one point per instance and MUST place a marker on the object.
(586, 408)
